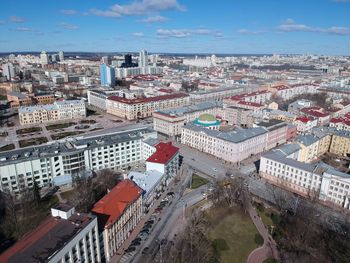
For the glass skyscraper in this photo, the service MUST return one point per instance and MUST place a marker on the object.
(107, 75)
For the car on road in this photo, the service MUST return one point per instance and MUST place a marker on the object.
(136, 239)
(145, 250)
(130, 249)
(135, 243)
(145, 231)
(151, 221)
(214, 169)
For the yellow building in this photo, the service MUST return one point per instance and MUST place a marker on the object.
(309, 145)
(340, 144)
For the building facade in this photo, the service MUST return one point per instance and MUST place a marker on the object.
(60, 110)
(118, 150)
(132, 109)
(118, 213)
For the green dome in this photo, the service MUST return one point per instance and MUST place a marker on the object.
(207, 118)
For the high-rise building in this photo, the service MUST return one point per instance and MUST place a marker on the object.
(104, 60)
(61, 55)
(8, 71)
(107, 75)
(128, 62)
(143, 58)
(44, 58)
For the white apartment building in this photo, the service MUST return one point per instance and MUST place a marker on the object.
(233, 146)
(98, 98)
(115, 150)
(139, 108)
(318, 180)
(215, 94)
(64, 237)
(304, 124)
(259, 97)
(287, 92)
(60, 110)
(170, 122)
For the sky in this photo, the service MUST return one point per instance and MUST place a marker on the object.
(177, 26)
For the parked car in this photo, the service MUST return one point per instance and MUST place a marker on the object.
(130, 249)
(145, 250)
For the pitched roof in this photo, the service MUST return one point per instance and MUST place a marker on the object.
(164, 153)
(113, 205)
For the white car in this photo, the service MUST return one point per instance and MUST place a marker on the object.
(215, 169)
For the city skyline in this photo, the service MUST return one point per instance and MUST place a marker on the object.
(170, 26)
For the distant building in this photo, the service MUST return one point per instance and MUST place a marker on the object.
(65, 236)
(18, 99)
(107, 75)
(104, 60)
(143, 58)
(61, 56)
(118, 213)
(128, 62)
(44, 58)
(8, 71)
(60, 110)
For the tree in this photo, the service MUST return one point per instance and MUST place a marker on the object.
(36, 192)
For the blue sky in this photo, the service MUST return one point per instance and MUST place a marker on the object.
(183, 26)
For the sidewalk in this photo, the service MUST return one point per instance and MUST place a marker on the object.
(269, 248)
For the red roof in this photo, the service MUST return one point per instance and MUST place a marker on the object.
(304, 119)
(245, 95)
(315, 111)
(164, 153)
(112, 205)
(150, 99)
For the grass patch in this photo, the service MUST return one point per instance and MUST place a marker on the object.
(270, 260)
(62, 135)
(60, 126)
(7, 147)
(3, 97)
(233, 234)
(258, 239)
(34, 141)
(198, 181)
(67, 194)
(29, 130)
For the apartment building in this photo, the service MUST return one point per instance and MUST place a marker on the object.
(340, 144)
(118, 213)
(164, 160)
(318, 113)
(233, 146)
(277, 133)
(59, 111)
(45, 163)
(65, 236)
(304, 124)
(238, 116)
(19, 99)
(287, 92)
(259, 97)
(170, 121)
(139, 108)
(317, 180)
(98, 98)
(341, 123)
(214, 94)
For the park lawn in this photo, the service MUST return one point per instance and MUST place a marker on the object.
(265, 217)
(60, 125)
(62, 135)
(33, 141)
(28, 130)
(7, 147)
(198, 181)
(233, 232)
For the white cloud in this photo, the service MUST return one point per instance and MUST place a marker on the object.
(154, 19)
(291, 26)
(69, 26)
(24, 29)
(139, 7)
(17, 19)
(181, 33)
(138, 34)
(245, 31)
(68, 11)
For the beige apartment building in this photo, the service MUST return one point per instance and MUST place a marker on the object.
(340, 143)
(132, 109)
(60, 110)
(118, 213)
